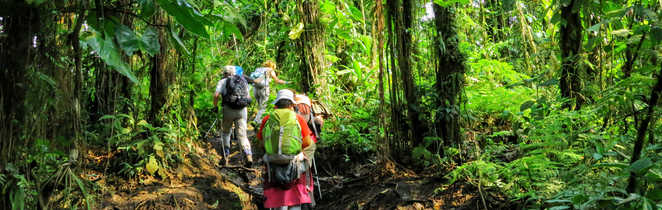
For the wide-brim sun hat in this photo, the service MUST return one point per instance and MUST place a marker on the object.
(302, 99)
(284, 94)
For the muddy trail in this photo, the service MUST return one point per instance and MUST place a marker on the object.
(200, 182)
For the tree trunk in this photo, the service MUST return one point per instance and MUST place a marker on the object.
(193, 62)
(571, 43)
(159, 73)
(403, 49)
(450, 76)
(379, 18)
(398, 127)
(631, 54)
(311, 44)
(643, 129)
(20, 24)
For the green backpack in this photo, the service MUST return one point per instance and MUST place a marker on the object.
(282, 133)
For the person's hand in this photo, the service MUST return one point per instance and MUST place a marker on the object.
(299, 157)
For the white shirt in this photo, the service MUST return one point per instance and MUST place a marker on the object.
(220, 86)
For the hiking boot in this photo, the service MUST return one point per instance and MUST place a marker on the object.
(227, 153)
(249, 161)
(223, 162)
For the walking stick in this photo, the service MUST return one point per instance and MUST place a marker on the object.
(210, 127)
(319, 189)
(222, 143)
(317, 179)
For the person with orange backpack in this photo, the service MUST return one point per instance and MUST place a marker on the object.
(288, 147)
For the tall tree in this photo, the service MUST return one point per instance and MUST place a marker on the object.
(400, 14)
(379, 18)
(20, 22)
(571, 44)
(159, 72)
(311, 46)
(450, 75)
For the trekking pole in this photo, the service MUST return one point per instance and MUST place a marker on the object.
(210, 127)
(319, 188)
(317, 179)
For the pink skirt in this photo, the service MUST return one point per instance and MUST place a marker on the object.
(296, 195)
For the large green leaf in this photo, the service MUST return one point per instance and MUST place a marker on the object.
(107, 26)
(641, 166)
(656, 33)
(296, 31)
(186, 15)
(447, 3)
(180, 43)
(151, 165)
(229, 28)
(127, 39)
(147, 8)
(150, 41)
(109, 53)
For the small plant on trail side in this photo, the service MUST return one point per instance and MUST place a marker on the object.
(145, 147)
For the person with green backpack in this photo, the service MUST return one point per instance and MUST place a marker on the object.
(288, 145)
(233, 90)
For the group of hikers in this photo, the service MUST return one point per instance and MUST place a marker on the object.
(288, 134)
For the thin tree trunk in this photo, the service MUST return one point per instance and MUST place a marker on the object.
(571, 43)
(631, 54)
(193, 61)
(643, 129)
(379, 17)
(397, 127)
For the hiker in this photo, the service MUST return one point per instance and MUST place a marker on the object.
(303, 107)
(288, 144)
(261, 79)
(233, 90)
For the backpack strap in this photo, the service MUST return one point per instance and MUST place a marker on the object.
(312, 122)
(280, 140)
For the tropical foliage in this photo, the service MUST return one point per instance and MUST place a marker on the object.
(551, 103)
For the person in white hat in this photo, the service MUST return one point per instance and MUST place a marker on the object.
(233, 89)
(280, 137)
(303, 107)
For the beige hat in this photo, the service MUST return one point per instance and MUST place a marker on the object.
(302, 99)
(284, 94)
(229, 70)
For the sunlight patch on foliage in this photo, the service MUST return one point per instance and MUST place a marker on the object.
(493, 87)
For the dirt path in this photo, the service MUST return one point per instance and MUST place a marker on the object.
(201, 183)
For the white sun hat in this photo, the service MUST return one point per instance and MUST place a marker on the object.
(284, 94)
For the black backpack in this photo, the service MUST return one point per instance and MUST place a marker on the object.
(236, 92)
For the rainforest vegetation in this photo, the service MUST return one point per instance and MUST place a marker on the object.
(465, 104)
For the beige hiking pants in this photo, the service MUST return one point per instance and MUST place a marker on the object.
(236, 117)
